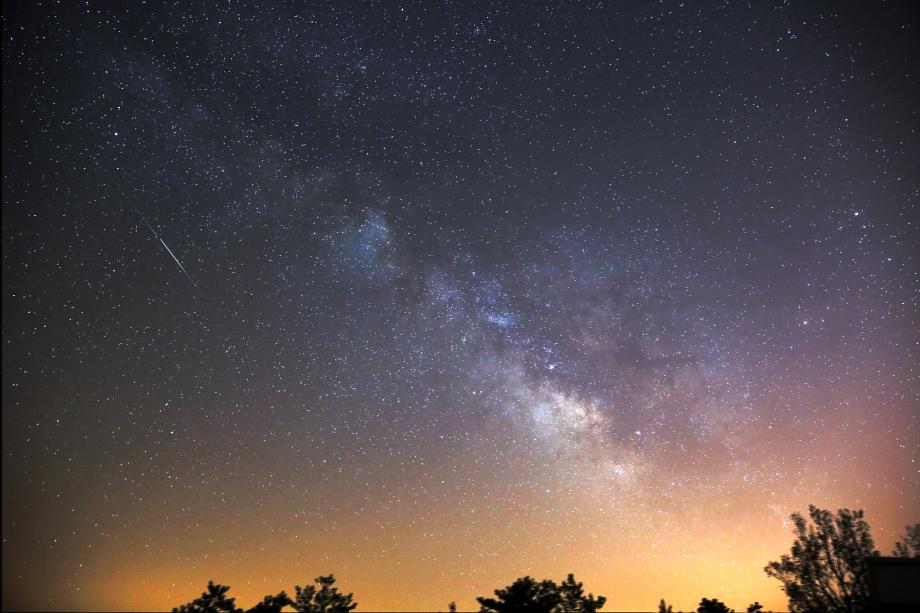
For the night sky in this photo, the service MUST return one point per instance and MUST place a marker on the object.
(432, 296)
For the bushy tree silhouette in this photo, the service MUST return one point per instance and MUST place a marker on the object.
(755, 607)
(272, 604)
(713, 606)
(910, 546)
(214, 600)
(825, 571)
(527, 595)
(326, 599)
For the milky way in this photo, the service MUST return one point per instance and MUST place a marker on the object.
(464, 292)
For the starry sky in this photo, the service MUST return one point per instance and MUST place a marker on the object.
(435, 295)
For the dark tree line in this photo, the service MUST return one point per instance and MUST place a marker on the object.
(826, 571)
(527, 595)
(713, 605)
(309, 599)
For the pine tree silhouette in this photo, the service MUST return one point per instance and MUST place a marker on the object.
(573, 599)
(525, 595)
(326, 599)
(214, 600)
(271, 604)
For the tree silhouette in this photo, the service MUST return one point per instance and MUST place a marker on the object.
(755, 607)
(452, 607)
(713, 606)
(825, 571)
(910, 546)
(214, 600)
(664, 607)
(272, 604)
(326, 599)
(525, 595)
(573, 599)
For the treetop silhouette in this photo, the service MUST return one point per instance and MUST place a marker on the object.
(713, 606)
(326, 599)
(825, 571)
(527, 595)
(213, 600)
(573, 599)
(909, 547)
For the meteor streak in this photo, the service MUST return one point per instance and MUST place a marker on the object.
(162, 242)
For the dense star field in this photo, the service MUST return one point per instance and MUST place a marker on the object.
(435, 295)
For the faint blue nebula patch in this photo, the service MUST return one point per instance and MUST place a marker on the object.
(365, 249)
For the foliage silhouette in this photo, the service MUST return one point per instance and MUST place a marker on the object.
(214, 600)
(573, 599)
(527, 595)
(664, 607)
(713, 606)
(326, 599)
(755, 607)
(910, 546)
(272, 604)
(825, 571)
(452, 607)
